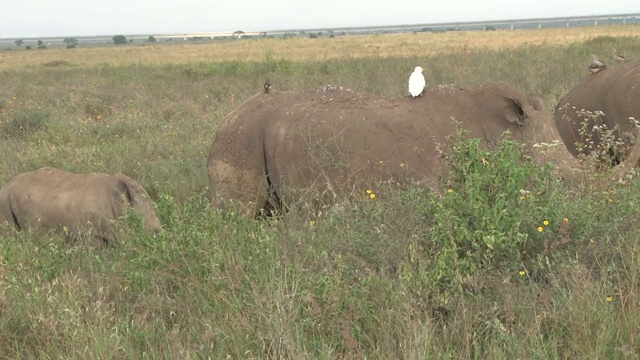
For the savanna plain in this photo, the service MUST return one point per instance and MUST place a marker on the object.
(508, 262)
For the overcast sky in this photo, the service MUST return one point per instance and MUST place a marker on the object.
(42, 18)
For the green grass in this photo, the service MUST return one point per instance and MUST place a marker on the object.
(411, 274)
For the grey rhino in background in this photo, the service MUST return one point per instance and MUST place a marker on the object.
(609, 98)
(50, 198)
(274, 147)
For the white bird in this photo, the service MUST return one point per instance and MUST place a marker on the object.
(416, 82)
(617, 57)
(596, 65)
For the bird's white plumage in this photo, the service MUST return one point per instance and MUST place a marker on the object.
(416, 82)
(596, 65)
(617, 57)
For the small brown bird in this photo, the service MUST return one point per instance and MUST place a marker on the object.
(617, 57)
(267, 86)
(596, 65)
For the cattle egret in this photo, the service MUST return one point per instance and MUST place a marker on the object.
(416, 82)
(596, 65)
(616, 56)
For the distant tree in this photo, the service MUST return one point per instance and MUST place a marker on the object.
(151, 39)
(40, 43)
(19, 42)
(119, 40)
(42, 47)
(70, 41)
(313, 36)
(71, 46)
(238, 33)
(490, 28)
(28, 47)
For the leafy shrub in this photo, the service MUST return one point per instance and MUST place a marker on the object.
(494, 214)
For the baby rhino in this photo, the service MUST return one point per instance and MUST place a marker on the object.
(73, 203)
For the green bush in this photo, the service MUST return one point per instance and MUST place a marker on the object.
(23, 122)
(496, 211)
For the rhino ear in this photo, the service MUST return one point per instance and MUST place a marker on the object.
(514, 111)
(131, 189)
(537, 102)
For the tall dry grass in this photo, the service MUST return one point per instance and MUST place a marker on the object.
(309, 50)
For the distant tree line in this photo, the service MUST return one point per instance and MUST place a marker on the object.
(119, 40)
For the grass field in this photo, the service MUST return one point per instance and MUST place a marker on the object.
(551, 272)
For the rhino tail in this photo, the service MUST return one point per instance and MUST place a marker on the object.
(7, 213)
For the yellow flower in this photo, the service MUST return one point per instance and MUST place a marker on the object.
(369, 191)
(609, 298)
(545, 223)
(565, 219)
(402, 165)
(372, 195)
(522, 273)
(540, 229)
(610, 200)
(65, 229)
(312, 222)
(521, 198)
(450, 190)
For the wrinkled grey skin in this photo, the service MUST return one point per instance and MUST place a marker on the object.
(276, 147)
(607, 99)
(50, 198)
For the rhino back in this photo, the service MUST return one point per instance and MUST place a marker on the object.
(53, 198)
(339, 137)
(612, 92)
(338, 140)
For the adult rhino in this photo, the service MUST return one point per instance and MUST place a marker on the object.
(74, 203)
(277, 145)
(608, 99)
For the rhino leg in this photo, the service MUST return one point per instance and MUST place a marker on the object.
(631, 162)
(249, 187)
